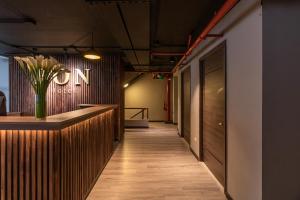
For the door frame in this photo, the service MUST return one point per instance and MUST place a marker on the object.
(181, 100)
(201, 76)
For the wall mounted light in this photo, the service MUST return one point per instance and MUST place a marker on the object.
(126, 85)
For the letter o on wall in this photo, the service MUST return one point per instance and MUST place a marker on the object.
(65, 81)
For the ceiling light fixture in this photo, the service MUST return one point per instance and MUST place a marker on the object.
(92, 54)
(172, 59)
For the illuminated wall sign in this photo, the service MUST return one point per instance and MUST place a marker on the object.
(78, 74)
(85, 78)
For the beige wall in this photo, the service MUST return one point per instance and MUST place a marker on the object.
(147, 92)
(243, 36)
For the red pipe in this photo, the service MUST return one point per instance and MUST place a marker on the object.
(189, 41)
(227, 6)
(167, 103)
(169, 99)
(166, 54)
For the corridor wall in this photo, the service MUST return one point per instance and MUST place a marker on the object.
(242, 29)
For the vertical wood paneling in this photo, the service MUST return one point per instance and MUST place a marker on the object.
(27, 159)
(33, 170)
(15, 160)
(21, 165)
(3, 163)
(39, 166)
(106, 87)
(55, 164)
(8, 161)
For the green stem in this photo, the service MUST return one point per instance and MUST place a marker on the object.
(40, 103)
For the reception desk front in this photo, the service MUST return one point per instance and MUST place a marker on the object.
(59, 157)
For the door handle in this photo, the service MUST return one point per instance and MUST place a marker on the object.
(220, 124)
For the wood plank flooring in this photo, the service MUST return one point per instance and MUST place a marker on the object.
(155, 164)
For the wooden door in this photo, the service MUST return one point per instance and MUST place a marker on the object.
(186, 104)
(213, 113)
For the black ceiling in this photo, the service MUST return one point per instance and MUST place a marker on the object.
(134, 27)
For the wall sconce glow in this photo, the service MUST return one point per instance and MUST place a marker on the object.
(126, 85)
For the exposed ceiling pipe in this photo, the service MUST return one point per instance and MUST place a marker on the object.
(17, 20)
(68, 46)
(227, 6)
(150, 65)
(127, 31)
(167, 54)
(21, 17)
(80, 47)
(16, 46)
(154, 13)
(116, 1)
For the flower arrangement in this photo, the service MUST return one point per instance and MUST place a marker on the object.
(40, 71)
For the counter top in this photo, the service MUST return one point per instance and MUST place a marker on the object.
(53, 122)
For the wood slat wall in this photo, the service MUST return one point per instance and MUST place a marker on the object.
(106, 79)
(55, 164)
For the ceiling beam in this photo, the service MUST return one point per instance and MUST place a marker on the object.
(17, 20)
(16, 46)
(116, 1)
(127, 31)
(79, 47)
(68, 46)
(154, 14)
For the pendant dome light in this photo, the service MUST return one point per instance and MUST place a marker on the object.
(92, 54)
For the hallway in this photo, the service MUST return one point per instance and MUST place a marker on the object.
(155, 164)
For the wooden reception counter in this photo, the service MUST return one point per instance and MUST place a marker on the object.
(59, 157)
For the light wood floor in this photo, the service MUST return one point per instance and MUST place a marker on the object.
(155, 164)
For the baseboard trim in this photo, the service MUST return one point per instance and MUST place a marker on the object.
(215, 179)
(193, 152)
(178, 132)
(136, 127)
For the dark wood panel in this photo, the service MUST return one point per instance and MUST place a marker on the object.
(213, 116)
(106, 87)
(186, 104)
(55, 164)
(53, 122)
